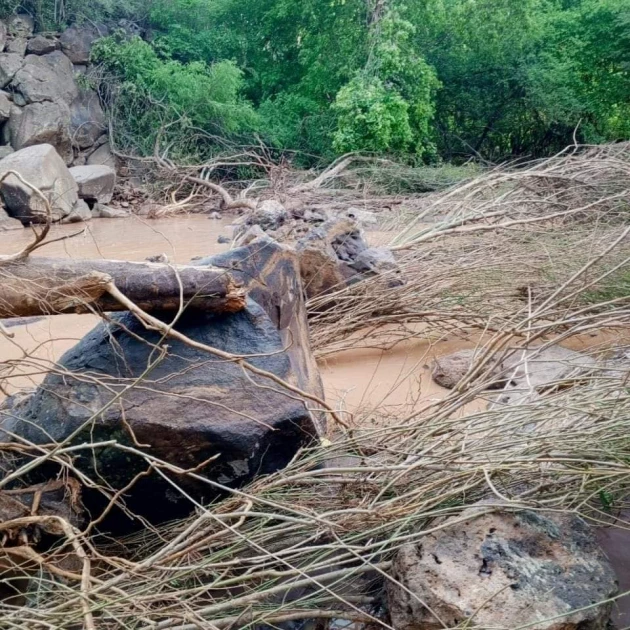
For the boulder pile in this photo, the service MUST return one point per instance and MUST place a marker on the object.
(72, 194)
(42, 100)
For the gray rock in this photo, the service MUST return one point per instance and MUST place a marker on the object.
(21, 25)
(87, 119)
(378, 261)
(107, 212)
(503, 570)
(5, 150)
(214, 215)
(7, 223)
(193, 407)
(41, 123)
(10, 63)
(224, 240)
(96, 183)
(46, 78)
(41, 45)
(364, 217)
(18, 99)
(10, 225)
(4, 32)
(17, 45)
(335, 254)
(5, 106)
(76, 43)
(103, 155)
(42, 166)
(269, 215)
(80, 213)
(520, 373)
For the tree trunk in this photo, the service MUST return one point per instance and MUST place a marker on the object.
(49, 286)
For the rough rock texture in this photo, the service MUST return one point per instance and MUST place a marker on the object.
(508, 570)
(81, 212)
(269, 215)
(41, 166)
(4, 31)
(76, 43)
(96, 183)
(103, 155)
(41, 123)
(5, 150)
(46, 78)
(87, 119)
(5, 106)
(20, 25)
(17, 45)
(520, 373)
(10, 63)
(7, 223)
(99, 211)
(335, 254)
(191, 406)
(41, 45)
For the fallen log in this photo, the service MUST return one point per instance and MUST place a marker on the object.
(50, 286)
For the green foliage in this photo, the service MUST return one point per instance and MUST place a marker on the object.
(417, 78)
(389, 105)
(193, 94)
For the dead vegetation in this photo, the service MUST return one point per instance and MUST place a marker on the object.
(516, 254)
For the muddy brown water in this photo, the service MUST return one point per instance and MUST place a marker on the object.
(397, 380)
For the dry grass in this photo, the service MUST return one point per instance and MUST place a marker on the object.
(315, 540)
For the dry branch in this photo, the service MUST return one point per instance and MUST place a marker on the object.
(45, 286)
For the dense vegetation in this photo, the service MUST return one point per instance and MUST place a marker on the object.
(424, 79)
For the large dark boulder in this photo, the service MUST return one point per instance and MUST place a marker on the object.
(189, 406)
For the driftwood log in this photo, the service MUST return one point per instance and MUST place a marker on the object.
(49, 286)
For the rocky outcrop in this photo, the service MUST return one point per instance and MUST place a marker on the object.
(41, 166)
(529, 569)
(335, 254)
(44, 103)
(190, 407)
(96, 183)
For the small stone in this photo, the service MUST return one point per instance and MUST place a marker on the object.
(214, 215)
(224, 240)
(124, 204)
(80, 213)
(107, 212)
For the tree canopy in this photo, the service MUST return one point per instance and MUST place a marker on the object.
(420, 79)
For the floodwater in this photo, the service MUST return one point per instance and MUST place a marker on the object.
(397, 381)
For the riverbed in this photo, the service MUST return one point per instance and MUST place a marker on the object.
(396, 381)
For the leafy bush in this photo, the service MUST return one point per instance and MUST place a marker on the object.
(159, 92)
(389, 105)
